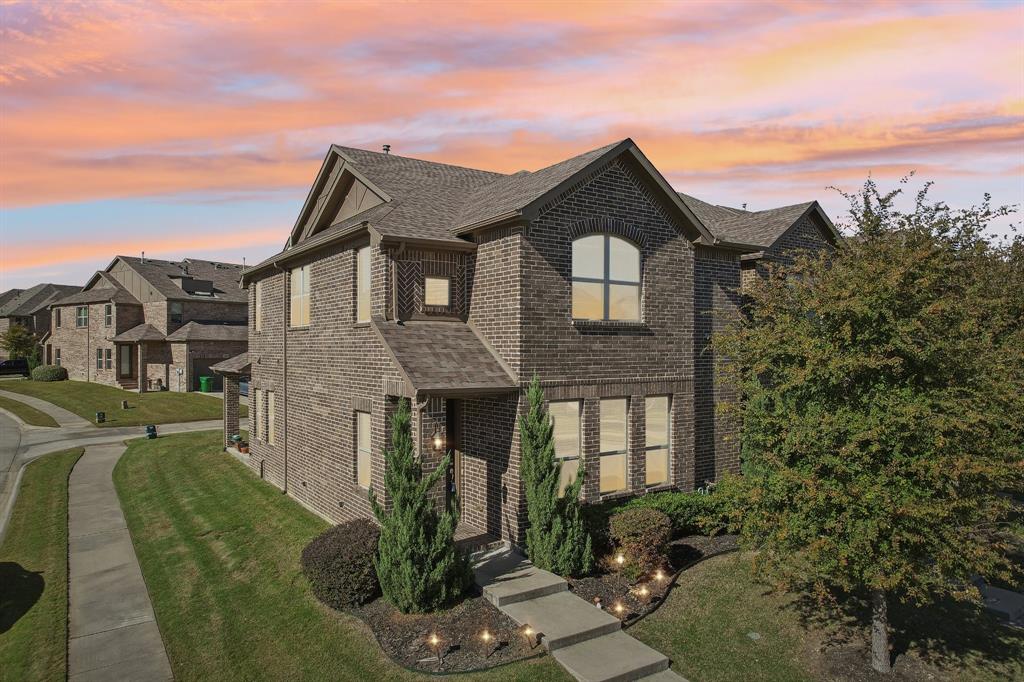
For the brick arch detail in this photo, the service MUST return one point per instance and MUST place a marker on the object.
(619, 228)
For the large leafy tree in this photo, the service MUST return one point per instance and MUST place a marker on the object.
(419, 567)
(19, 342)
(556, 539)
(882, 393)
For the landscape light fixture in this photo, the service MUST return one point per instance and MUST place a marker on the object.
(659, 575)
(619, 609)
(487, 637)
(529, 634)
(620, 559)
(435, 644)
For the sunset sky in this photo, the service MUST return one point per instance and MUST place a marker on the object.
(190, 129)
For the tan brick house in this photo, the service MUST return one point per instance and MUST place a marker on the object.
(452, 287)
(146, 324)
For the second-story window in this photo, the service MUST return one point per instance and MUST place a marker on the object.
(363, 284)
(82, 316)
(108, 315)
(177, 311)
(56, 317)
(605, 279)
(300, 297)
(258, 306)
(437, 292)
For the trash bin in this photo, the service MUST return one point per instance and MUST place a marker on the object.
(101, 417)
(205, 384)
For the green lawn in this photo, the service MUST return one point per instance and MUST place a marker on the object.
(705, 624)
(27, 413)
(86, 399)
(220, 552)
(34, 574)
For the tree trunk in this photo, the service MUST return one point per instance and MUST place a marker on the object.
(880, 632)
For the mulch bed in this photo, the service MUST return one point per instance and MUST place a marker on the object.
(632, 601)
(406, 637)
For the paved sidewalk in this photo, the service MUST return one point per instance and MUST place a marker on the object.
(61, 416)
(112, 633)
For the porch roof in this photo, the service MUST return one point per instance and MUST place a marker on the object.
(444, 357)
(236, 366)
(142, 332)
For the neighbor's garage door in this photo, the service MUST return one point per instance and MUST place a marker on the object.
(201, 368)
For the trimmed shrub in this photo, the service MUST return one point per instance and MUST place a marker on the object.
(690, 514)
(642, 535)
(49, 373)
(339, 564)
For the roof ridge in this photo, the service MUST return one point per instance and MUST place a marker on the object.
(413, 158)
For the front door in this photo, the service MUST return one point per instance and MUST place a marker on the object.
(124, 361)
(453, 430)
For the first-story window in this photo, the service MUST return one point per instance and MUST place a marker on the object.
(108, 358)
(363, 449)
(565, 418)
(82, 316)
(99, 358)
(56, 356)
(255, 411)
(614, 444)
(271, 428)
(658, 430)
(108, 314)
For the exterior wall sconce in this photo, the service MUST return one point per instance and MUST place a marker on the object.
(437, 439)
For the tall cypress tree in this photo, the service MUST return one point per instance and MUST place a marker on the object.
(556, 539)
(418, 565)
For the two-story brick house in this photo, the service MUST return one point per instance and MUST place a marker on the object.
(453, 287)
(147, 324)
(30, 308)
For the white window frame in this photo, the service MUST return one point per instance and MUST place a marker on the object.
(108, 358)
(56, 356)
(448, 290)
(108, 314)
(99, 358)
(79, 317)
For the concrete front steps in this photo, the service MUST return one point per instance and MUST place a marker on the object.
(587, 641)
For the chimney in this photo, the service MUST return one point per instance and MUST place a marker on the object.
(143, 257)
(387, 149)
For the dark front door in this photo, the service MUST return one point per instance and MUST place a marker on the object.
(125, 364)
(453, 430)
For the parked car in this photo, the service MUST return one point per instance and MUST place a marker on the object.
(17, 366)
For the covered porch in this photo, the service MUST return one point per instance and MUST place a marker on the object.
(234, 371)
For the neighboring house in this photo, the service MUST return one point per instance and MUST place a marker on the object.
(453, 287)
(30, 308)
(163, 321)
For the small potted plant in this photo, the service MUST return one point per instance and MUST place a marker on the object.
(243, 447)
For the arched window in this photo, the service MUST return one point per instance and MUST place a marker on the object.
(605, 278)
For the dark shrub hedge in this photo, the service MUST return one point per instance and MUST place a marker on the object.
(690, 514)
(339, 564)
(49, 373)
(642, 535)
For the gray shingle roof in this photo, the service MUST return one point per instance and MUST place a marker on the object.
(514, 192)
(159, 274)
(106, 289)
(28, 301)
(443, 357)
(210, 331)
(143, 332)
(757, 228)
(236, 365)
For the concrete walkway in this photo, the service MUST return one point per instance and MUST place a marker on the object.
(60, 415)
(112, 633)
(587, 641)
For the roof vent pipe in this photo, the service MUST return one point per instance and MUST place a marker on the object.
(387, 149)
(143, 257)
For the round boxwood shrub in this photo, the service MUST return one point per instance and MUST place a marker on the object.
(339, 564)
(49, 373)
(641, 535)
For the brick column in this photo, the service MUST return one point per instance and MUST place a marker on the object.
(636, 462)
(143, 369)
(230, 408)
(590, 443)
